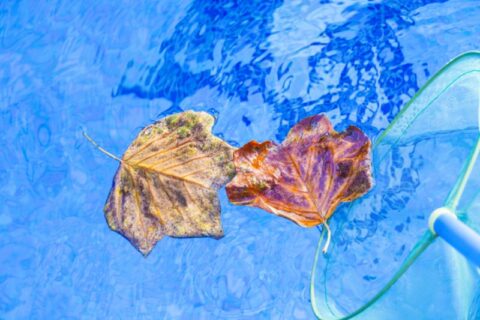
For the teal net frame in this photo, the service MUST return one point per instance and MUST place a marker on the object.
(460, 68)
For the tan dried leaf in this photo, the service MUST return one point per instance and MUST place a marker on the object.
(167, 182)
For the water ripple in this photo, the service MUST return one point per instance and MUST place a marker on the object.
(113, 68)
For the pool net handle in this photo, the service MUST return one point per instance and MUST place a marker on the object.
(444, 223)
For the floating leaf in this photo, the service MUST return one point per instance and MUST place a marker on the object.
(307, 176)
(167, 182)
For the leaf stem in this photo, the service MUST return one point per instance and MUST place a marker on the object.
(100, 148)
(329, 234)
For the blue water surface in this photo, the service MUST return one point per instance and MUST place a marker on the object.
(113, 67)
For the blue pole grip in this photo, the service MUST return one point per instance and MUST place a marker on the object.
(456, 233)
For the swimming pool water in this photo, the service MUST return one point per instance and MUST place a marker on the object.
(113, 67)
